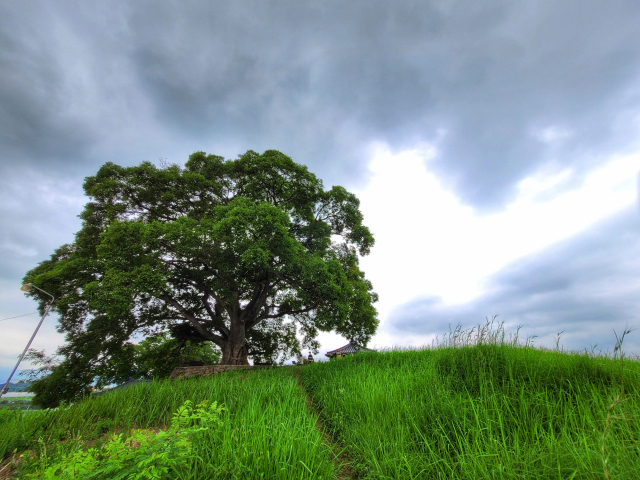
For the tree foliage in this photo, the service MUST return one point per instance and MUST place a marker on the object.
(241, 253)
(157, 356)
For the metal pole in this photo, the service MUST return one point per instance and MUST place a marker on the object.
(46, 312)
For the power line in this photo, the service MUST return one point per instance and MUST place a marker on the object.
(17, 316)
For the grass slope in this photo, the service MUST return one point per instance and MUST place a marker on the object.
(267, 431)
(464, 410)
(484, 411)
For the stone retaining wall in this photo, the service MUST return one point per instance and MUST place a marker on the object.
(186, 372)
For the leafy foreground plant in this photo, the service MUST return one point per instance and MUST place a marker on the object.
(266, 433)
(145, 454)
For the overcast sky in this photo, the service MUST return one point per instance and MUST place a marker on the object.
(494, 146)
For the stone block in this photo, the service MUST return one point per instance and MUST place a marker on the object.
(205, 371)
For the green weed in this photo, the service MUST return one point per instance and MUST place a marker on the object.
(145, 454)
(481, 405)
(265, 432)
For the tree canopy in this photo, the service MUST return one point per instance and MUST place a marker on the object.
(241, 253)
(157, 356)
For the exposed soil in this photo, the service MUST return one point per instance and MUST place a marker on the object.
(342, 461)
(8, 465)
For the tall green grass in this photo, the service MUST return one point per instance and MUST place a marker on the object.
(476, 405)
(482, 407)
(267, 432)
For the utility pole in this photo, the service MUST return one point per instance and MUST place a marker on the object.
(25, 288)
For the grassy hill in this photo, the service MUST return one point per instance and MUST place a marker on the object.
(19, 386)
(493, 410)
(482, 412)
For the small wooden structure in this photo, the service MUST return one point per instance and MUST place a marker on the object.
(310, 358)
(348, 349)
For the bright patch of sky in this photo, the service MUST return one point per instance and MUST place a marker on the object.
(428, 243)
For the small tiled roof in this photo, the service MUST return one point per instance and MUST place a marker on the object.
(347, 349)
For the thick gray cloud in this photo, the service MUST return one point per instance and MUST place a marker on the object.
(39, 213)
(502, 88)
(513, 84)
(586, 286)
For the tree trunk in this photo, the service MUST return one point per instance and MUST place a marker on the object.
(235, 350)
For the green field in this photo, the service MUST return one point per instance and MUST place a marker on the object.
(458, 411)
(16, 403)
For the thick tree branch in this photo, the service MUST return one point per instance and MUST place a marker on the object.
(276, 315)
(260, 295)
(218, 340)
(216, 319)
(286, 312)
(217, 298)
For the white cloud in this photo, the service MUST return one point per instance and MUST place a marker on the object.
(429, 244)
(551, 134)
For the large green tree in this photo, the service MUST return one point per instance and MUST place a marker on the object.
(157, 356)
(235, 252)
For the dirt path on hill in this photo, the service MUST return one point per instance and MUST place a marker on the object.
(8, 466)
(337, 452)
